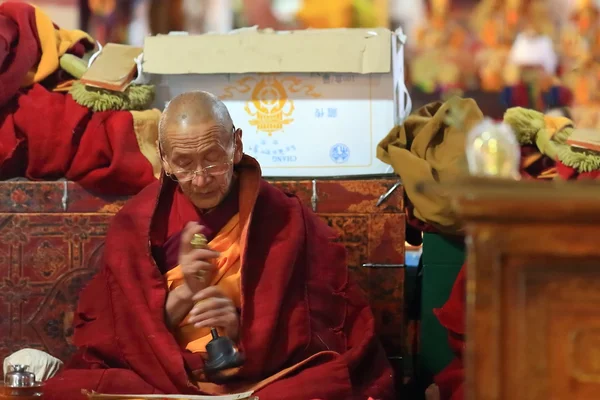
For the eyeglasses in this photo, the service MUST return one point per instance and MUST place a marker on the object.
(219, 169)
(185, 175)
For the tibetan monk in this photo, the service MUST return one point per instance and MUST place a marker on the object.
(272, 280)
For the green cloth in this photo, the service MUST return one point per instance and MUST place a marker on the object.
(442, 260)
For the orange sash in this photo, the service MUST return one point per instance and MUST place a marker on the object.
(227, 277)
(54, 43)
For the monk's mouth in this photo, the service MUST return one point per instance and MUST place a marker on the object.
(206, 193)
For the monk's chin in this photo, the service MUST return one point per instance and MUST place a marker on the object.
(204, 202)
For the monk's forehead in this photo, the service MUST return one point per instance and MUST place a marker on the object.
(194, 132)
(189, 113)
(185, 113)
(196, 117)
(192, 105)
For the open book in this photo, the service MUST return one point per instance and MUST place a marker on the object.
(100, 396)
(114, 68)
(588, 139)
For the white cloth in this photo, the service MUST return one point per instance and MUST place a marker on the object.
(410, 14)
(534, 50)
(43, 365)
(139, 28)
(286, 10)
(204, 16)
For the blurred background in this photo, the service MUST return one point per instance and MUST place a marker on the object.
(454, 46)
(128, 21)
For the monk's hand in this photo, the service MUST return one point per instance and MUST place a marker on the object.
(214, 309)
(195, 264)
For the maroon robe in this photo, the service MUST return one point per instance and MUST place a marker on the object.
(297, 300)
(174, 214)
(46, 135)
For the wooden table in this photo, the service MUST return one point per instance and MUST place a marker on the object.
(533, 289)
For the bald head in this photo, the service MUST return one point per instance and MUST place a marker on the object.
(193, 108)
(199, 147)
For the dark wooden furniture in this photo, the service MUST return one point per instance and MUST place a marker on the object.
(533, 291)
(52, 233)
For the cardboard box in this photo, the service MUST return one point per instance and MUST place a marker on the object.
(311, 103)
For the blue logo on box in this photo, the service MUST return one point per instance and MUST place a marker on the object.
(339, 153)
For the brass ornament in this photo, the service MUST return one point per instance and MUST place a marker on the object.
(198, 242)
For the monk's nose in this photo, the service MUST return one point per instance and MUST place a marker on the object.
(201, 179)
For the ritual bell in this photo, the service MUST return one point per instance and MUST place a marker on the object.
(221, 351)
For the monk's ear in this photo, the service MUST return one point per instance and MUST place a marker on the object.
(239, 146)
(163, 161)
(166, 166)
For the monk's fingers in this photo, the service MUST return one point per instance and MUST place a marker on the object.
(203, 254)
(191, 228)
(221, 320)
(201, 276)
(213, 303)
(199, 320)
(224, 314)
(192, 267)
(209, 293)
(201, 265)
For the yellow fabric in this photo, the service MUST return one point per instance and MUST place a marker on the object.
(326, 14)
(343, 13)
(425, 149)
(555, 124)
(54, 43)
(544, 137)
(145, 126)
(227, 277)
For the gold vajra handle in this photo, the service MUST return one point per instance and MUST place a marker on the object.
(199, 241)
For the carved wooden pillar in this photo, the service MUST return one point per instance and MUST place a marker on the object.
(533, 289)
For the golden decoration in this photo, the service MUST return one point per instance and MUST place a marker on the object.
(111, 208)
(198, 242)
(269, 103)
